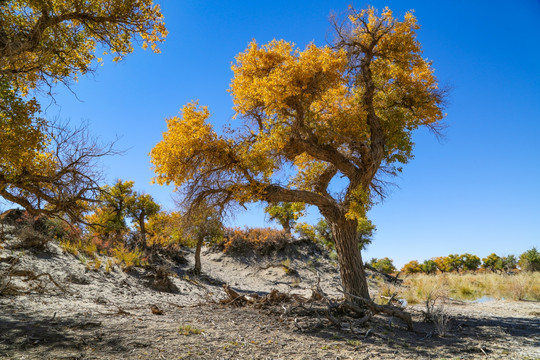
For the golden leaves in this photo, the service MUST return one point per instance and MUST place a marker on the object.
(309, 115)
(189, 147)
(277, 77)
(64, 36)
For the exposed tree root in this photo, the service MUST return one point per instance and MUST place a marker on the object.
(6, 286)
(385, 309)
(273, 298)
(336, 313)
(35, 277)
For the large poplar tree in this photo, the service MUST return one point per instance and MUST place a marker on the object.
(310, 116)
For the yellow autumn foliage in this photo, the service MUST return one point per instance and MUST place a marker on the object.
(50, 42)
(310, 117)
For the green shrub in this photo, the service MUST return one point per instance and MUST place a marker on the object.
(530, 260)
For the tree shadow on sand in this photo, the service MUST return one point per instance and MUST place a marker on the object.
(464, 335)
(44, 335)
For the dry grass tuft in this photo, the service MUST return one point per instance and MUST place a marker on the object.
(79, 247)
(187, 330)
(128, 259)
(30, 238)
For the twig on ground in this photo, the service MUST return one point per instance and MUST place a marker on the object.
(35, 277)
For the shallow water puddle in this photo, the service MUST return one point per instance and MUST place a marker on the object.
(484, 299)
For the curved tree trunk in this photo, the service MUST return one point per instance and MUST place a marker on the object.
(353, 277)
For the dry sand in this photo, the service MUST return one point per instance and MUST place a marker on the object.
(109, 316)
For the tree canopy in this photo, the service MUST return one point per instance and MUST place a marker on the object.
(311, 116)
(44, 167)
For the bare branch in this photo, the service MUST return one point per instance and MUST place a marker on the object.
(74, 181)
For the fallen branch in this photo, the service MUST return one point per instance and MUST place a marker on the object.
(234, 297)
(387, 277)
(275, 297)
(6, 287)
(391, 299)
(35, 277)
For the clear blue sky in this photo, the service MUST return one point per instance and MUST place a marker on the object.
(476, 191)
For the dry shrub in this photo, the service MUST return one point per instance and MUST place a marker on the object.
(161, 280)
(175, 253)
(386, 292)
(63, 231)
(431, 291)
(523, 286)
(29, 238)
(108, 266)
(30, 231)
(441, 319)
(262, 241)
(103, 246)
(10, 217)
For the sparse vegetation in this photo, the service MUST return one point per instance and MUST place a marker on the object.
(79, 247)
(322, 127)
(31, 232)
(441, 319)
(286, 264)
(259, 240)
(108, 266)
(128, 259)
(187, 330)
(520, 286)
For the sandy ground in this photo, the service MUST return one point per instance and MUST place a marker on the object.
(109, 316)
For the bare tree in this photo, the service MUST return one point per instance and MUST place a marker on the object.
(70, 184)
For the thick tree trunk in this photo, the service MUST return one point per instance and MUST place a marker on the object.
(197, 268)
(287, 228)
(353, 277)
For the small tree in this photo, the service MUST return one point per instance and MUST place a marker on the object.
(165, 229)
(285, 213)
(140, 207)
(384, 265)
(200, 225)
(109, 217)
(509, 262)
(117, 204)
(454, 262)
(470, 262)
(492, 262)
(412, 267)
(429, 267)
(530, 260)
(440, 262)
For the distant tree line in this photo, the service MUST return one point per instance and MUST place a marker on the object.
(527, 261)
